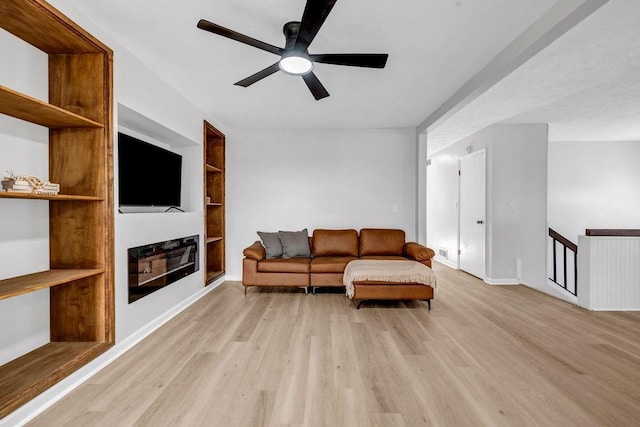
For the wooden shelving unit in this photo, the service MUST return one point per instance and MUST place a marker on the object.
(22, 378)
(214, 216)
(80, 280)
(33, 110)
(45, 279)
(16, 195)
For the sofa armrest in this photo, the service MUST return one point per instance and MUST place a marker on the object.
(418, 252)
(256, 251)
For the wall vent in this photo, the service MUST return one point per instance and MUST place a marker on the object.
(443, 253)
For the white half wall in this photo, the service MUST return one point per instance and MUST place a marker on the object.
(516, 201)
(593, 185)
(337, 178)
(609, 273)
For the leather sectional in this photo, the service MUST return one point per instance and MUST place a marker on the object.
(331, 250)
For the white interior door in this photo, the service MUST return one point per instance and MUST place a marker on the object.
(472, 213)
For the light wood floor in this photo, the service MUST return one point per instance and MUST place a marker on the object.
(501, 355)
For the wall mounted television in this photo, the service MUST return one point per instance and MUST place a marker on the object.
(147, 174)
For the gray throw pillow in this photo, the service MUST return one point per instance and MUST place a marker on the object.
(295, 244)
(271, 243)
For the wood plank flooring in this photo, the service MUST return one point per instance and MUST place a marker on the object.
(484, 355)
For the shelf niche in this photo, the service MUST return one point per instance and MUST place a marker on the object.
(79, 116)
(214, 210)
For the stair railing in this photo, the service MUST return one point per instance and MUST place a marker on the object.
(566, 245)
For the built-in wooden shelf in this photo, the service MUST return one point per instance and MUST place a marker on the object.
(24, 378)
(214, 214)
(44, 279)
(41, 25)
(78, 111)
(213, 275)
(33, 110)
(13, 195)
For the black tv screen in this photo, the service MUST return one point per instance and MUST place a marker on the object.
(147, 175)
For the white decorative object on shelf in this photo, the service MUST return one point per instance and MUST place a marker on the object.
(28, 184)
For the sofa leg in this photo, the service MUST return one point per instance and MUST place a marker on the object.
(358, 304)
(313, 290)
(245, 290)
(306, 291)
(429, 304)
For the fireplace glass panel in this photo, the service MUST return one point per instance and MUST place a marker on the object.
(154, 266)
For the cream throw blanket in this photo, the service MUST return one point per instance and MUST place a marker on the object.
(393, 271)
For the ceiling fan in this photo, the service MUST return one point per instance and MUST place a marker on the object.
(294, 57)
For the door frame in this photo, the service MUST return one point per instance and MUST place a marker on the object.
(479, 151)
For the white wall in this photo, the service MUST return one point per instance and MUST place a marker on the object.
(24, 231)
(421, 188)
(295, 179)
(442, 194)
(593, 185)
(516, 201)
(519, 203)
(156, 124)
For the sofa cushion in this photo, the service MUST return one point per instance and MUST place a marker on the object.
(381, 241)
(334, 243)
(295, 244)
(271, 243)
(330, 264)
(282, 265)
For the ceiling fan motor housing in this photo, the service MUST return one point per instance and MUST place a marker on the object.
(290, 30)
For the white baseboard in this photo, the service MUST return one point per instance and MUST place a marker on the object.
(445, 261)
(35, 407)
(490, 281)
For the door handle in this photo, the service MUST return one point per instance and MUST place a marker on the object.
(479, 221)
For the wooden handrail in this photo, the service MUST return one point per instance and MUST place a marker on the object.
(560, 238)
(626, 232)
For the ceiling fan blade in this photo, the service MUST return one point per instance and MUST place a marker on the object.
(315, 13)
(315, 86)
(258, 76)
(203, 24)
(369, 60)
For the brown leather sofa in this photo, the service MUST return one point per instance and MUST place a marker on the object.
(331, 251)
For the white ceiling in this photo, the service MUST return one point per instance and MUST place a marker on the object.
(434, 47)
(585, 84)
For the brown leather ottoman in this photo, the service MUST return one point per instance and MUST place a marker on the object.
(389, 280)
(379, 290)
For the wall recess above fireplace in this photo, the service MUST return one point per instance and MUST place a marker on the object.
(154, 266)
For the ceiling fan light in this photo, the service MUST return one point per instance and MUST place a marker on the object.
(296, 65)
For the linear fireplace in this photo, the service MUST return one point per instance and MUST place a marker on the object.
(154, 266)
